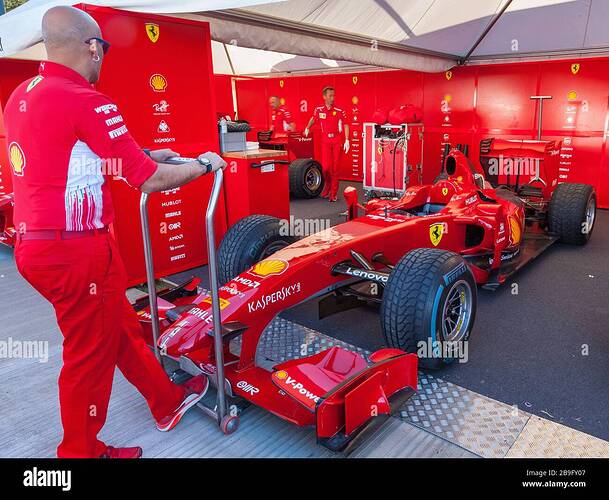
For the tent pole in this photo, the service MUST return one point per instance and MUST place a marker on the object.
(463, 60)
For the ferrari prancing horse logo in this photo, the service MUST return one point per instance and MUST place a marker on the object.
(153, 32)
(575, 68)
(444, 191)
(436, 231)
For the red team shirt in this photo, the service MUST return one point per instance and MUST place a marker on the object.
(331, 120)
(66, 141)
(280, 120)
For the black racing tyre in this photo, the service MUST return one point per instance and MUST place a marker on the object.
(572, 213)
(250, 240)
(430, 298)
(306, 178)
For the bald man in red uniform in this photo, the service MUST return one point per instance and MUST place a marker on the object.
(282, 120)
(60, 134)
(334, 128)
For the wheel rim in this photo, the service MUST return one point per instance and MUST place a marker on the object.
(457, 312)
(312, 179)
(273, 247)
(590, 215)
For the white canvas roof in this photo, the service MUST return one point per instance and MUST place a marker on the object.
(260, 37)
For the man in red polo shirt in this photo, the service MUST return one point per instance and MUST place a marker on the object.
(333, 124)
(282, 121)
(61, 134)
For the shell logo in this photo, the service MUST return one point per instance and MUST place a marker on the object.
(158, 82)
(572, 95)
(17, 158)
(281, 374)
(515, 232)
(270, 267)
(355, 100)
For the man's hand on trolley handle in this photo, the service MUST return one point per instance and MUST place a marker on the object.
(169, 176)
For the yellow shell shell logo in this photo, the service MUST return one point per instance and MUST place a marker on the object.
(270, 267)
(282, 101)
(153, 31)
(281, 374)
(17, 158)
(515, 232)
(355, 99)
(448, 75)
(575, 67)
(572, 95)
(158, 82)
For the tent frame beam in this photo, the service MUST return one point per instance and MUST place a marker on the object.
(483, 35)
(295, 28)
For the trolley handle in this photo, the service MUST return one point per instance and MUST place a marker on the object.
(221, 409)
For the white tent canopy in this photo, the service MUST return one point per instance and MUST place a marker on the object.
(262, 37)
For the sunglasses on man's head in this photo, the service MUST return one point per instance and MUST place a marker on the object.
(104, 44)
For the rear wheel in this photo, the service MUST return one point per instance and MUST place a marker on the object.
(429, 306)
(306, 179)
(572, 213)
(250, 240)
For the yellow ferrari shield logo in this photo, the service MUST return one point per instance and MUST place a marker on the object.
(575, 68)
(444, 191)
(354, 80)
(448, 75)
(436, 231)
(152, 30)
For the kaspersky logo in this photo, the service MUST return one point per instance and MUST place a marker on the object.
(283, 376)
(16, 158)
(158, 82)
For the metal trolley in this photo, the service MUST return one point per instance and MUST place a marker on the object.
(228, 423)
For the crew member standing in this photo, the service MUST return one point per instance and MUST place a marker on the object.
(61, 133)
(282, 121)
(333, 124)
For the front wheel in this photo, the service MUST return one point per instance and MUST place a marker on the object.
(250, 240)
(429, 306)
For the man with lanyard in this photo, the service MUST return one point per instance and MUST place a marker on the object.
(333, 125)
(60, 134)
(282, 121)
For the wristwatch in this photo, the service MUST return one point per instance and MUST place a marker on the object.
(206, 164)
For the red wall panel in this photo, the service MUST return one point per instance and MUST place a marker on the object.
(224, 94)
(471, 103)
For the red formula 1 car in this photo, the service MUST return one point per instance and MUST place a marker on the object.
(419, 257)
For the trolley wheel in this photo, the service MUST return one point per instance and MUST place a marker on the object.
(229, 424)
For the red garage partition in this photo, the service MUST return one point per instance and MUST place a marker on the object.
(465, 105)
(159, 72)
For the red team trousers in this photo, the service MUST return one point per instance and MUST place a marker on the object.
(330, 156)
(85, 281)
